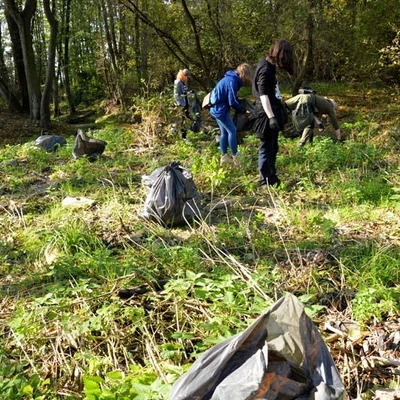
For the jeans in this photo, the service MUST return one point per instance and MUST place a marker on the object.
(182, 121)
(267, 155)
(228, 134)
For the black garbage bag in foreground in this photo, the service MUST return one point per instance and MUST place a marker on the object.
(87, 146)
(281, 356)
(50, 143)
(172, 196)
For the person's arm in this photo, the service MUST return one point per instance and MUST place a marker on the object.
(267, 106)
(273, 122)
(319, 123)
(233, 99)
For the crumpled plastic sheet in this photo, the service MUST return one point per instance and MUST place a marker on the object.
(280, 356)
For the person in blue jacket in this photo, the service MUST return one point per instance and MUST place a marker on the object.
(223, 98)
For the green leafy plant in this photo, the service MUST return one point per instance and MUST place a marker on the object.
(101, 304)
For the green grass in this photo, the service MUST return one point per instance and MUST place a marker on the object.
(328, 234)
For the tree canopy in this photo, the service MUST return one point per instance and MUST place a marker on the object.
(83, 51)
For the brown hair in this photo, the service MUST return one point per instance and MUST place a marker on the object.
(281, 54)
(245, 72)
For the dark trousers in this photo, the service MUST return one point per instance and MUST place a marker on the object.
(267, 155)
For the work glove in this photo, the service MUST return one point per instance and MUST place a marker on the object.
(243, 111)
(321, 127)
(273, 123)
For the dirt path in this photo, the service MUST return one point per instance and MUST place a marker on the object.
(17, 128)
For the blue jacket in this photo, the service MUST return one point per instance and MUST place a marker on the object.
(224, 95)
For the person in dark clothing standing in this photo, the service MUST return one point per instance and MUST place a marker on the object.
(269, 114)
(181, 99)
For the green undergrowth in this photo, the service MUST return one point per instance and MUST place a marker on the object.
(98, 303)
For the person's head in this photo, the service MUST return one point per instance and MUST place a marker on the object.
(183, 74)
(304, 89)
(281, 54)
(245, 72)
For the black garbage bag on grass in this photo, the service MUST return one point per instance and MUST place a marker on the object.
(50, 143)
(281, 356)
(87, 146)
(172, 196)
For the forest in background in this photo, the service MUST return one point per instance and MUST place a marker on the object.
(59, 55)
(98, 304)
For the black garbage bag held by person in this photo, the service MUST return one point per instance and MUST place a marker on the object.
(243, 120)
(172, 197)
(196, 114)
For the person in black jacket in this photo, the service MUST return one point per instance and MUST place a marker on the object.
(269, 114)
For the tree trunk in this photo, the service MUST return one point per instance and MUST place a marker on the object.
(176, 49)
(305, 69)
(45, 103)
(144, 47)
(67, 82)
(23, 20)
(213, 16)
(22, 87)
(112, 49)
(56, 99)
(196, 35)
(8, 97)
(6, 91)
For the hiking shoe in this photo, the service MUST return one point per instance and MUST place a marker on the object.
(271, 181)
(237, 160)
(226, 160)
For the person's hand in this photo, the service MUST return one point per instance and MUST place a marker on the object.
(243, 111)
(273, 123)
(321, 127)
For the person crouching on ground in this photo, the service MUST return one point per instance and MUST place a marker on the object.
(304, 110)
(269, 113)
(181, 92)
(223, 98)
(327, 106)
(320, 106)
